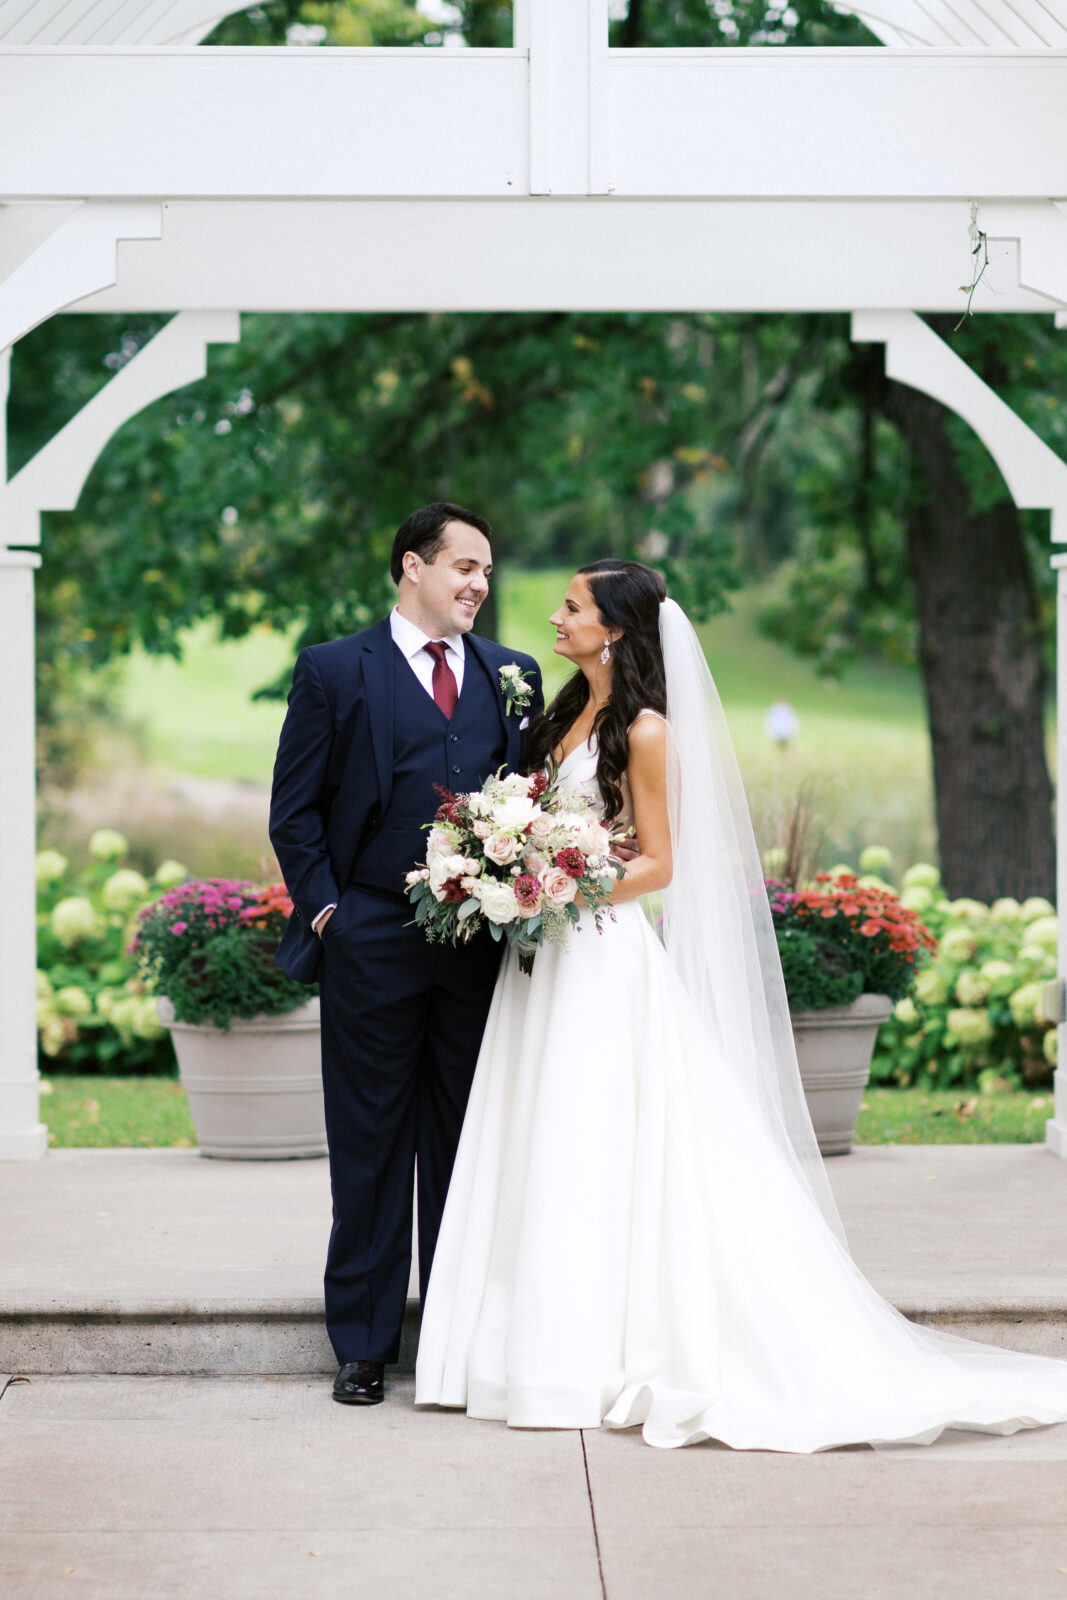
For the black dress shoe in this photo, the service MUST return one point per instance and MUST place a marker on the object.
(360, 1383)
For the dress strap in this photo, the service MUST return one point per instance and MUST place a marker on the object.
(647, 712)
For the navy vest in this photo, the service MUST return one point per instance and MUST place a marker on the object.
(428, 750)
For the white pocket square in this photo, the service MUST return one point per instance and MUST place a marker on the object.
(525, 723)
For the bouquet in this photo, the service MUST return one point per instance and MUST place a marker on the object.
(514, 855)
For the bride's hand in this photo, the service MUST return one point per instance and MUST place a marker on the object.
(626, 850)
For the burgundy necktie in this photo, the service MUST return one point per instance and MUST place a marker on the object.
(445, 689)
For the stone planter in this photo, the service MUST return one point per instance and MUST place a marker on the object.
(254, 1089)
(834, 1049)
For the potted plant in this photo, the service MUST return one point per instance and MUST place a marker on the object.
(246, 1036)
(849, 949)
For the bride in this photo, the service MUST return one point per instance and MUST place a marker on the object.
(639, 1229)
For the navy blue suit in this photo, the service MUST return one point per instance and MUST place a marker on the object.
(361, 750)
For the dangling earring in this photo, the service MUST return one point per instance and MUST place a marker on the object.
(605, 654)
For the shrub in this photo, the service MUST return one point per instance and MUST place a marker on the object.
(94, 1014)
(975, 1014)
(209, 944)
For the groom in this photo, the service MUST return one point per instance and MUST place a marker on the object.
(375, 723)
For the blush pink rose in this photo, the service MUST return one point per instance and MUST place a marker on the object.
(541, 826)
(501, 848)
(557, 887)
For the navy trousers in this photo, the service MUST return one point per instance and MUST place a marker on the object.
(402, 1023)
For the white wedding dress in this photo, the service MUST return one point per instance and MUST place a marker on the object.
(624, 1244)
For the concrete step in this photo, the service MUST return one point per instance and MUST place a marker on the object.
(161, 1262)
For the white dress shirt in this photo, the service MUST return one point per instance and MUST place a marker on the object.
(412, 642)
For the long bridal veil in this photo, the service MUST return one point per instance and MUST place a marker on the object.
(716, 917)
(720, 941)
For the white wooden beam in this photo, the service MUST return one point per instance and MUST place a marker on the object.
(560, 254)
(568, 67)
(752, 123)
(1040, 232)
(843, 122)
(75, 259)
(262, 122)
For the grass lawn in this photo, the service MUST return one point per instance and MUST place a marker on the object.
(92, 1112)
(152, 1112)
(952, 1116)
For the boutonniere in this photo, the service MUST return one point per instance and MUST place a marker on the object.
(516, 690)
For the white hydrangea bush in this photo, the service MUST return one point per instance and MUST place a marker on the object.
(94, 1013)
(975, 1014)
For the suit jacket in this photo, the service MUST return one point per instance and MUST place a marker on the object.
(333, 772)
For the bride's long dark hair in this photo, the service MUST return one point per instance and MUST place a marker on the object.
(627, 595)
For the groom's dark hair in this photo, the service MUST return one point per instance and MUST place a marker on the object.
(423, 532)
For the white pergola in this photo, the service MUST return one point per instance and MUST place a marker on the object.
(139, 172)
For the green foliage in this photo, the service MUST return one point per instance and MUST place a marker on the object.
(817, 974)
(209, 944)
(974, 1016)
(680, 23)
(93, 1012)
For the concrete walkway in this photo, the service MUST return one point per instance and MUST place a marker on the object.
(162, 1487)
(262, 1489)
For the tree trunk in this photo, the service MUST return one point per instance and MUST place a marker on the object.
(983, 673)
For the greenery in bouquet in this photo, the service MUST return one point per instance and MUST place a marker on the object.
(975, 1014)
(843, 936)
(94, 1012)
(209, 944)
(518, 856)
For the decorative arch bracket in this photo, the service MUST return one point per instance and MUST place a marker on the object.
(77, 258)
(55, 477)
(1035, 475)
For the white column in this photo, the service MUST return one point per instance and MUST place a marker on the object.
(1056, 1128)
(23, 1136)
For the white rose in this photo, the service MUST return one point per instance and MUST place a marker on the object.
(515, 784)
(473, 867)
(514, 813)
(501, 848)
(482, 830)
(479, 805)
(443, 868)
(593, 840)
(438, 845)
(497, 900)
(557, 887)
